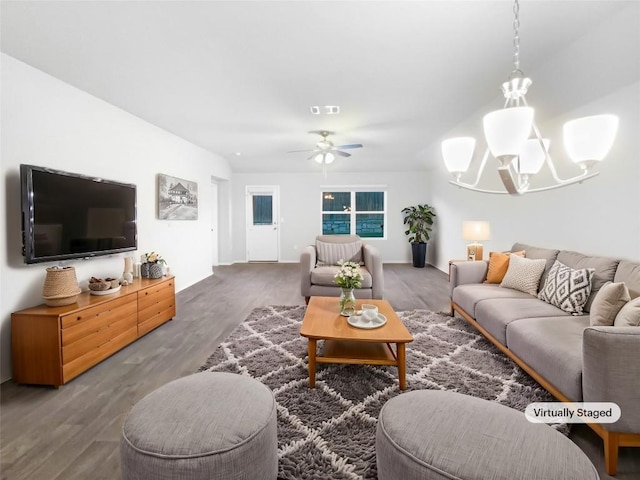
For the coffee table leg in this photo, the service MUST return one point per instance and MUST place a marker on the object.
(402, 365)
(312, 362)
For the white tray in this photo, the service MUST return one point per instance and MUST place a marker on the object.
(358, 322)
(105, 292)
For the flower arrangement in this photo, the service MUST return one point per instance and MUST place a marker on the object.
(153, 257)
(349, 275)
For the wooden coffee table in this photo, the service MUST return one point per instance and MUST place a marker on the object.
(344, 343)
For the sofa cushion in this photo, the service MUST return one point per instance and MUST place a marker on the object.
(629, 314)
(523, 274)
(567, 288)
(548, 254)
(629, 273)
(605, 269)
(495, 314)
(607, 303)
(468, 296)
(324, 275)
(498, 265)
(552, 346)
(329, 253)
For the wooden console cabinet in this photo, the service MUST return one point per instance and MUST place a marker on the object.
(52, 345)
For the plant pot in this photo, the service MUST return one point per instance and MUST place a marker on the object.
(155, 270)
(419, 252)
(144, 270)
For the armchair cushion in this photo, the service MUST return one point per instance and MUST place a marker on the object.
(332, 253)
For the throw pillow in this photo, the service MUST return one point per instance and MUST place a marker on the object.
(607, 303)
(524, 274)
(498, 265)
(332, 253)
(629, 314)
(566, 288)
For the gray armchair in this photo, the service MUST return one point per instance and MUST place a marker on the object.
(318, 265)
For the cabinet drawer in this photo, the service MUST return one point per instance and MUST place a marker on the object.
(91, 358)
(97, 339)
(92, 324)
(102, 309)
(152, 322)
(165, 306)
(154, 294)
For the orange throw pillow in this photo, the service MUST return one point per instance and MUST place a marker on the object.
(498, 265)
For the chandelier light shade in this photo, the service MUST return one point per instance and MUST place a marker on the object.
(514, 140)
(589, 139)
(457, 153)
(506, 130)
(532, 156)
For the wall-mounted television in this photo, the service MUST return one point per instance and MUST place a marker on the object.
(68, 215)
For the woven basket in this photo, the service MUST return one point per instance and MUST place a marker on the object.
(60, 287)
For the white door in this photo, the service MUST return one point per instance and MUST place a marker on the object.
(262, 224)
(215, 256)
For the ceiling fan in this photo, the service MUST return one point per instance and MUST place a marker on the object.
(325, 151)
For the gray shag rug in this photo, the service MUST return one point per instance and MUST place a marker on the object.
(329, 432)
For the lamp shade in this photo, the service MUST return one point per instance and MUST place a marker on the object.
(457, 153)
(531, 156)
(507, 129)
(475, 230)
(329, 158)
(590, 138)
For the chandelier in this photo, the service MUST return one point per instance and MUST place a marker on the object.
(514, 140)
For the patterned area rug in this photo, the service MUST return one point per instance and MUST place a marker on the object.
(329, 432)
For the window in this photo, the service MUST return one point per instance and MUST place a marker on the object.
(356, 212)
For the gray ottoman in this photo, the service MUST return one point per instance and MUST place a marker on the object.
(431, 434)
(204, 426)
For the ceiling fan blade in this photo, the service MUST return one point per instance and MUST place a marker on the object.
(299, 151)
(352, 145)
(342, 154)
(315, 152)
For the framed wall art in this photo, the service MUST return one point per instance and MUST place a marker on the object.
(177, 198)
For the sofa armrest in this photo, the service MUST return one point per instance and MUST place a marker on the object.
(307, 263)
(611, 372)
(373, 262)
(464, 272)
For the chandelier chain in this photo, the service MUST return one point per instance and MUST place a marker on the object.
(516, 38)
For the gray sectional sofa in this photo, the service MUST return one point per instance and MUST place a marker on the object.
(571, 359)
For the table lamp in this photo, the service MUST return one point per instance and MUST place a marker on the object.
(475, 231)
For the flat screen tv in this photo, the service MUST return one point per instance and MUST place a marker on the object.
(67, 215)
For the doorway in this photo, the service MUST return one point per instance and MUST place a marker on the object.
(263, 235)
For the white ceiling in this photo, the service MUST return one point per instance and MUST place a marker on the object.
(240, 76)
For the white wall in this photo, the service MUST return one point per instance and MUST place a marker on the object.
(300, 203)
(49, 123)
(599, 73)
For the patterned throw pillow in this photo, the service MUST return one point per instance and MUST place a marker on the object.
(566, 288)
(524, 274)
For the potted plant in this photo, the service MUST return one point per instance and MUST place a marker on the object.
(419, 220)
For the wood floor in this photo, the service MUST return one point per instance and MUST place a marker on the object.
(73, 432)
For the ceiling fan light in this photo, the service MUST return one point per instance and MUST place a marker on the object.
(457, 153)
(589, 139)
(329, 158)
(318, 158)
(531, 156)
(507, 129)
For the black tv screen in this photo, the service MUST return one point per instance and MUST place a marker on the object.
(67, 215)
